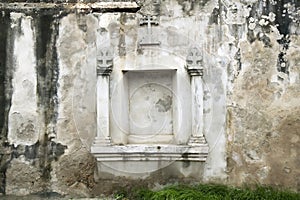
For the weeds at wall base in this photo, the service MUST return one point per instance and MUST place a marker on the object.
(209, 192)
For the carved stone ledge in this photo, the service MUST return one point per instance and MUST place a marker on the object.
(151, 153)
(196, 141)
(101, 141)
(195, 71)
(103, 71)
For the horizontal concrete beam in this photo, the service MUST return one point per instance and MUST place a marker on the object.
(100, 7)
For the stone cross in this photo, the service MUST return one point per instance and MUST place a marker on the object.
(194, 62)
(148, 20)
(148, 39)
(104, 62)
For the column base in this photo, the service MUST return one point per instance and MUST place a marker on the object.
(101, 141)
(197, 140)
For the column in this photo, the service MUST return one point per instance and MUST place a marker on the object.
(195, 70)
(104, 68)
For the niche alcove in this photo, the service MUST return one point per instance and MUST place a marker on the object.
(146, 113)
(150, 104)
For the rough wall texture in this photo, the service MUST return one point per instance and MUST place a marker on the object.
(48, 83)
(263, 109)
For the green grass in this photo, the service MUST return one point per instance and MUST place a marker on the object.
(211, 192)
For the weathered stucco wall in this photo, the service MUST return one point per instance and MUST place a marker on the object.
(263, 103)
(48, 90)
(263, 118)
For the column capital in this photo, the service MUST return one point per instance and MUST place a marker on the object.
(104, 62)
(194, 62)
